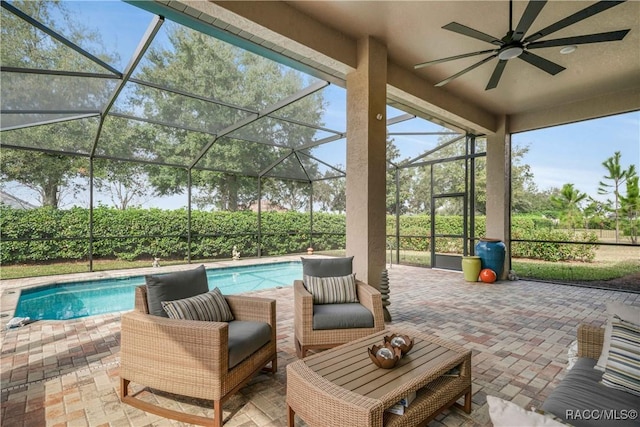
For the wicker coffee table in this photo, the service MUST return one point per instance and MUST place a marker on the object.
(342, 387)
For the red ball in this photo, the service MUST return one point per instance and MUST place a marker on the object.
(487, 275)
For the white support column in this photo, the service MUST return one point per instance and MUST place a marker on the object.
(366, 161)
(499, 187)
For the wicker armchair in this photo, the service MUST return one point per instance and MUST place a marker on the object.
(190, 358)
(307, 338)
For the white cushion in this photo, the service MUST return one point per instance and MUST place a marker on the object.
(625, 312)
(507, 414)
(572, 355)
(623, 363)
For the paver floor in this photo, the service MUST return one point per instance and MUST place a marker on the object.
(65, 373)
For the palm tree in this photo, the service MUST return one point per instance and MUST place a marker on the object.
(619, 177)
(568, 203)
(630, 207)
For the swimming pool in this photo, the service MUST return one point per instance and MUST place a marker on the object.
(80, 299)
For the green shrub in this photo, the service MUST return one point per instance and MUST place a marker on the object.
(54, 235)
(49, 235)
(550, 248)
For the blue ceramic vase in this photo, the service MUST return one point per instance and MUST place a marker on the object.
(491, 253)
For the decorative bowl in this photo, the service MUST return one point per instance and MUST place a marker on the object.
(385, 356)
(402, 342)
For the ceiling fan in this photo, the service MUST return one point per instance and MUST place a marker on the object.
(515, 45)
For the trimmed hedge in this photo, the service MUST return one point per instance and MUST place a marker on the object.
(549, 250)
(52, 235)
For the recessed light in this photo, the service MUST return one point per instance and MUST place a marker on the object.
(568, 49)
(510, 53)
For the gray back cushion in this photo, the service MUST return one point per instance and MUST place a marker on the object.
(174, 286)
(327, 267)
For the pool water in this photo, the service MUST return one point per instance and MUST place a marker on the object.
(80, 299)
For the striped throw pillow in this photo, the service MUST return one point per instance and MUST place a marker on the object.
(623, 364)
(210, 306)
(332, 290)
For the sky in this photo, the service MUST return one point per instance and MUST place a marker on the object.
(564, 154)
(574, 153)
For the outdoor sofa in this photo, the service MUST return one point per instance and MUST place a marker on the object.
(581, 399)
(601, 386)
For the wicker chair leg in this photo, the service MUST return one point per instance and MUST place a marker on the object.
(301, 352)
(467, 402)
(170, 413)
(124, 388)
(217, 413)
(291, 417)
(272, 367)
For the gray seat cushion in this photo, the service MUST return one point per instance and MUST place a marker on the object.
(174, 286)
(341, 316)
(581, 391)
(327, 267)
(245, 338)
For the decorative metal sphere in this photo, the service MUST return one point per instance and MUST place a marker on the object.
(398, 341)
(385, 353)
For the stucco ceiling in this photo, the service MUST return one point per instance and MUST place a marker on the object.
(412, 32)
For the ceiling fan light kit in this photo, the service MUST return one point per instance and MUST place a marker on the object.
(510, 52)
(515, 45)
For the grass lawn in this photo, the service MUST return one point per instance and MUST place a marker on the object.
(33, 270)
(611, 263)
(575, 271)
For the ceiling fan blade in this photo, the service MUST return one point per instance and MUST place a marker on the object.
(451, 58)
(590, 38)
(470, 32)
(497, 73)
(530, 14)
(455, 76)
(544, 64)
(601, 6)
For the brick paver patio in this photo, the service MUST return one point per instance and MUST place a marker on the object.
(65, 373)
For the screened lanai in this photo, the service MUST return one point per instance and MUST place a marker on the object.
(103, 97)
(192, 115)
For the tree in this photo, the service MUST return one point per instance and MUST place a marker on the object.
(523, 186)
(420, 198)
(449, 177)
(540, 203)
(331, 194)
(291, 195)
(568, 203)
(594, 213)
(405, 179)
(630, 208)
(50, 175)
(127, 184)
(618, 177)
(216, 70)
